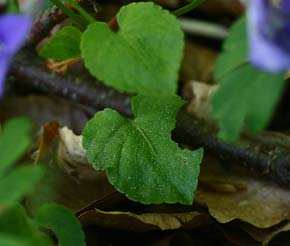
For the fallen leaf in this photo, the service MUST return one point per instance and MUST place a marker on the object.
(71, 155)
(49, 133)
(69, 179)
(261, 203)
(144, 222)
(265, 236)
(199, 95)
(58, 186)
(198, 62)
(238, 237)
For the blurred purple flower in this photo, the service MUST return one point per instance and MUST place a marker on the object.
(13, 30)
(269, 34)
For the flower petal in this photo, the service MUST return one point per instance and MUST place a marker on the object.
(268, 49)
(4, 65)
(285, 5)
(13, 30)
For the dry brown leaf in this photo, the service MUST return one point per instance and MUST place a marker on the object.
(197, 63)
(144, 222)
(199, 95)
(222, 7)
(58, 186)
(49, 133)
(262, 203)
(61, 67)
(71, 156)
(238, 237)
(69, 179)
(265, 236)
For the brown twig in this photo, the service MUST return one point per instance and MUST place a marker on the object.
(265, 157)
(48, 20)
(44, 24)
(31, 72)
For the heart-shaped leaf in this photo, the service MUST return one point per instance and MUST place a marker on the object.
(139, 156)
(143, 56)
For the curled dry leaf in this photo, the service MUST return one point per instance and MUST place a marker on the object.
(238, 237)
(266, 236)
(61, 67)
(144, 222)
(49, 133)
(59, 187)
(71, 155)
(69, 179)
(257, 201)
(199, 94)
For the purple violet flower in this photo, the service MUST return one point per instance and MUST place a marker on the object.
(269, 34)
(13, 30)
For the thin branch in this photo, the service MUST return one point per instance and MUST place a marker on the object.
(187, 8)
(267, 157)
(44, 24)
(47, 21)
(31, 72)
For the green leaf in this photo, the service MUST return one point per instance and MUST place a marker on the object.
(63, 223)
(16, 226)
(248, 96)
(235, 50)
(17, 183)
(139, 156)
(143, 56)
(14, 140)
(64, 45)
(9, 240)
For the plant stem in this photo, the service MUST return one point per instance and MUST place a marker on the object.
(187, 8)
(13, 7)
(77, 19)
(82, 11)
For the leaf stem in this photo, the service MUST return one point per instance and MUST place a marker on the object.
(12, 7)
(187, 8)
(82, 11)
(77, 19)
